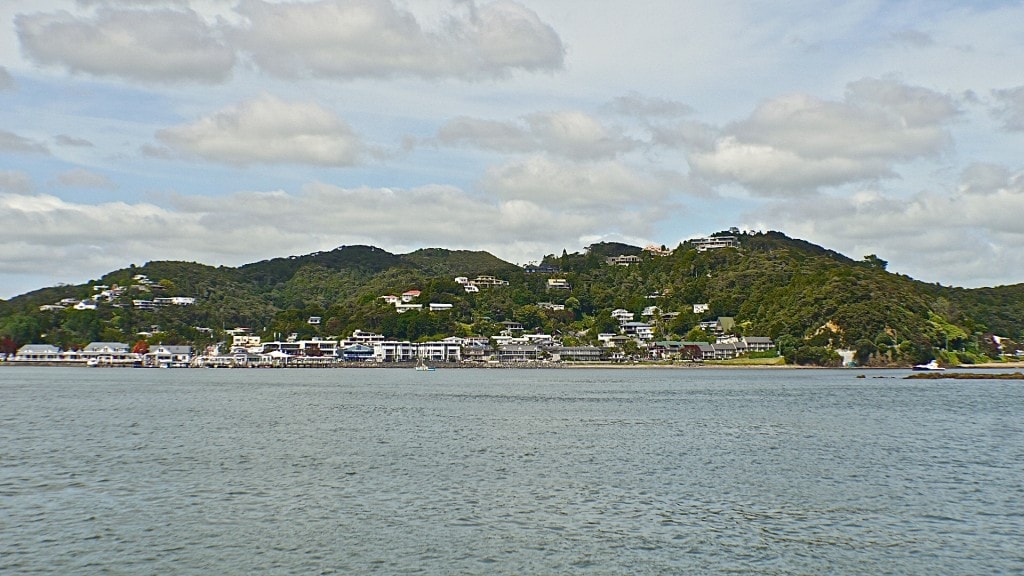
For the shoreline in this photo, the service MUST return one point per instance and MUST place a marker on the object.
(540, 365)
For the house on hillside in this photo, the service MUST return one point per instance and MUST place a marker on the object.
(622, 315)
(558, 284)
(714, 243)
(622, 260)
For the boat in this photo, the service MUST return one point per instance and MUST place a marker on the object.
(422, 367)
(932, 366)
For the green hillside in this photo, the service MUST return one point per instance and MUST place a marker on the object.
(808, 299)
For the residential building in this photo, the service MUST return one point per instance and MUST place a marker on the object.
(641, 330)
(558, 284)
(622, 315)
(439, 351)
(758, 343)
(623, 260)
(37, 353)
(169, 356)
(714, 243)
(486, 280)
(577, 353)
(541, 269)
(356, 353)
(394, 351)
(515, 353)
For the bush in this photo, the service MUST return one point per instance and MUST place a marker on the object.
(814, 356)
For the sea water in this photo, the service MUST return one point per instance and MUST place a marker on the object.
(572, 471)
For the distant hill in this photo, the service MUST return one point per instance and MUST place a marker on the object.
(809, 299)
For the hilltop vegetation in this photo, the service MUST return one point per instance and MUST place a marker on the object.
(808, 299)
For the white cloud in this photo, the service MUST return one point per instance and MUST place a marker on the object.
(799, 143)
(635, 104)
(612, 189)
(569, 134)
(151, 46)
(92, 239)
(377, 38)
(967, 236)
(147, 3)
(268, 130)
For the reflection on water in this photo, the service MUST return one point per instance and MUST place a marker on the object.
(507, 472)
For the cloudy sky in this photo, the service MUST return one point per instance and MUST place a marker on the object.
(229, 131)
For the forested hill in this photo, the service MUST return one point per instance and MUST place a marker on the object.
(800, 294)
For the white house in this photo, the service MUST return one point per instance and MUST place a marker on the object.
(439, 351)
(622, 315)
(641, 330)
(558, 284)
(623, 260)
(714, 243)
(394, 351)
(169, 356)
(37, 353)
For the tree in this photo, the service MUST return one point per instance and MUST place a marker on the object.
(698, 334)
(875, 262)
(864, 349)
(8, 346)
(141, 347)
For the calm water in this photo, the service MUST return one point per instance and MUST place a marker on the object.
(508, 472)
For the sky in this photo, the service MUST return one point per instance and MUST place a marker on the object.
(231, 131)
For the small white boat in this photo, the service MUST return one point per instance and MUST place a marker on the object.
(421, 367)
(932, 366)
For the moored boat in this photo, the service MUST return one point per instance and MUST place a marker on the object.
(932, 366)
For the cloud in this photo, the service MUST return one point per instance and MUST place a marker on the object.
(91, 239)
(147, 3)
(569, 134)
(909, 38)
(377, 38)
(798, 143)
(11, 142)
(149, 46)
(65, 140)
(604, 188)
(81, 178)
(267, 130)
(6, 80)
(1009, 108)
(967, 236)
(15, 181)
(638, 105)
